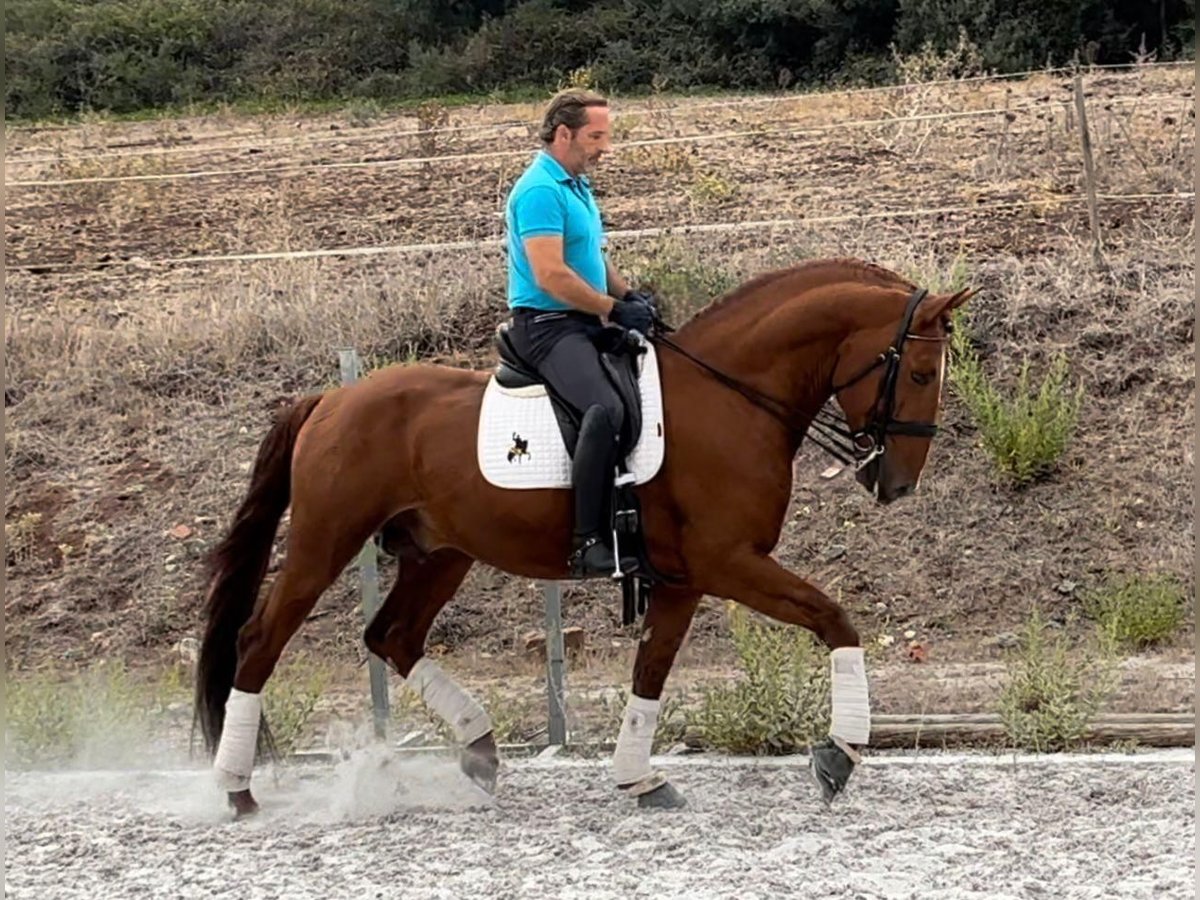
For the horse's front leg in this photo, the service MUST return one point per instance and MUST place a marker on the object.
(667, 619)
(760, 583)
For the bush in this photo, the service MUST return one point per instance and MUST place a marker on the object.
(780, 705)
(1050, 696)
(289, 700)
(101, 716)
(683, 280)
(1028, 34)
(1027, 432)
(67, 56)
(1138, 610)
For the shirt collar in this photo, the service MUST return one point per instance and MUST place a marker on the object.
(558, 173)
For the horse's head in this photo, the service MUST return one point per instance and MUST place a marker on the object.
(888, 381)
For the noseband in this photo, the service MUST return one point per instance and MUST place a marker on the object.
(856, 447)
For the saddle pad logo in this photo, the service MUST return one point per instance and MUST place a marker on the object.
(519, 449)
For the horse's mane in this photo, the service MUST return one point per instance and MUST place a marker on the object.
(846, 267)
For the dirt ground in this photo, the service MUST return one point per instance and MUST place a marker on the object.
(138, 384)
(1073, 827)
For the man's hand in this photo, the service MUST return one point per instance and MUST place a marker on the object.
(632, 314)
(644, 297)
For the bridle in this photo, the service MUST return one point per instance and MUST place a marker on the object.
(856, 447)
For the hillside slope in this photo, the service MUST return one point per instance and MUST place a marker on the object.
(137, 390)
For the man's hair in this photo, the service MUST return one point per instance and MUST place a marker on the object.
(569, 108)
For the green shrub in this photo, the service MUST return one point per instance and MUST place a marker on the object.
(289, 700)
(68, 56)
(712, 189)
(1026, 432)
(96, 716)
(1051, 694)
(683, 280)
(940, 276)
(515, 720)
(781, 702)
(1138, 610)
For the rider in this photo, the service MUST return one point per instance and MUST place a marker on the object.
(560, 284)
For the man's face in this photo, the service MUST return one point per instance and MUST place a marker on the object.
(586, 146)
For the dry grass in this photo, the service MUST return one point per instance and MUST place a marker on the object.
(136, 396)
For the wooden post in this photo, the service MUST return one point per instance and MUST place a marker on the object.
(982, 729)
(556, 726)
(368, 577)
(1089, 171)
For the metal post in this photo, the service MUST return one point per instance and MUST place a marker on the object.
(368, 576)
(1089, 172)
(556, 727)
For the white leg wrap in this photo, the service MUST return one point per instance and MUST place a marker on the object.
(235, 752)
(442, 695)
(851, 719)
(631, 759)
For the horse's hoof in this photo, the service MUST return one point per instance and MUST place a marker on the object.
(830, 767)
(662, 797)
(243, 803)
(480, 762)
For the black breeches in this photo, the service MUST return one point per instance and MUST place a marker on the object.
(560, 346)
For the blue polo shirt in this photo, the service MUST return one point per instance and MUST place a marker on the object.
(547, 200)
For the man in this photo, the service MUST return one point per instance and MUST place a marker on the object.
(560, 284)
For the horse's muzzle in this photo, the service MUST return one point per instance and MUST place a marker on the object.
(875, 479)
(886, 495)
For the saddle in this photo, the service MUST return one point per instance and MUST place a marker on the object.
(619, 353)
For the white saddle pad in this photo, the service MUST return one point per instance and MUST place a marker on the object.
(520, 444)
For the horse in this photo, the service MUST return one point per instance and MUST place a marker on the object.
(743, 381)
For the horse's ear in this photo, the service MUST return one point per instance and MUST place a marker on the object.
(938, 305)
(958, 299)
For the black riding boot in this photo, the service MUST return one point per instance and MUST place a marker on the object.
(591, 475)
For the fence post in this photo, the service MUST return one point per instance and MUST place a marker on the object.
(368, 576)
(1089, 171)
(556, 726)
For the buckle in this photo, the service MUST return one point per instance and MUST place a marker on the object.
(583, 548)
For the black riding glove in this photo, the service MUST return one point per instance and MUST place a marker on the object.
(642, 297)
(634, 315)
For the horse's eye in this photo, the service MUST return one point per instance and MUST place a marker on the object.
(922, 377)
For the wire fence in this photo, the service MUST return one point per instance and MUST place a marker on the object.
(763, 133)
(650, 104)
(619, 234)
(975, 208)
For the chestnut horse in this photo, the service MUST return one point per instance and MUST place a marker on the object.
(743, 381)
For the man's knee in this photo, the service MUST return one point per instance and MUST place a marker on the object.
(616, 416)
(603, 417)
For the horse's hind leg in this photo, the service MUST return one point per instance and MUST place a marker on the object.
(426, 583)
(314, 558)
(663, 630)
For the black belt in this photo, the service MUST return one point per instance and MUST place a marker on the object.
(529, 311)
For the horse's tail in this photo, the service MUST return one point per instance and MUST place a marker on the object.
(238, 565)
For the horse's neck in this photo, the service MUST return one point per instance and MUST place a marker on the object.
(782, 343)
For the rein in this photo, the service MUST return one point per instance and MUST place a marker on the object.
(837, 438)
(829, 421)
